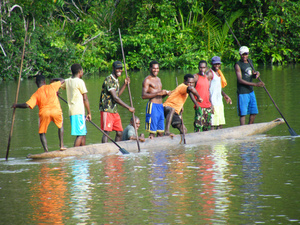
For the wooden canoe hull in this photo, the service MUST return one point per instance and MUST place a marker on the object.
(164, 142)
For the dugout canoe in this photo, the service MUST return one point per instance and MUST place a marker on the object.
(237, 132)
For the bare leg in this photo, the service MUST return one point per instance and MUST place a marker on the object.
(44, 141)
(181, 128)
(79, 141)
(242, 120)
(61, 138)
(104, 138)
(159, 134)
(118, 136)
(252, 118)
(151, 135)
(169, 120)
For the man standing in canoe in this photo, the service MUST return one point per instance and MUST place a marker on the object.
(203, 110)
(152, 90)
(77, 102)
(109, 99)
(49, 108)
(173, 105)
(217, 82)
(246, 97)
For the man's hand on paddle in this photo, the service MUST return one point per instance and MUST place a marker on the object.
(257, 74)
(88, 117)
(127, 81)
(260, 84)
(131, 109)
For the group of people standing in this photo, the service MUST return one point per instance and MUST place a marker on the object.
(204, 88)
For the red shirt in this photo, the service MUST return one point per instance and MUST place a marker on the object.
(202, 87)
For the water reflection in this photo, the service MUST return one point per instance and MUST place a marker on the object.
(206, 178)
(81, 190)
(180, 187)
(252, 181)
(49, 196)
(159, 187)
(114, 199)
(222, 184)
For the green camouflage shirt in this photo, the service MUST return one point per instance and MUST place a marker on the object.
(107, 103)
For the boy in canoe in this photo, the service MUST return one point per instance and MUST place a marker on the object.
(217, 82)
(203, 111)
(109, 99)
(152, 90)
(173, 105)
(246, 97)
(129, 131)
(77, 102)
(49, 108)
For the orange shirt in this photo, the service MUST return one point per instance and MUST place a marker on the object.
(46, 98)
(177, 98)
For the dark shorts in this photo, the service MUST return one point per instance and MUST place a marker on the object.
(176, 118)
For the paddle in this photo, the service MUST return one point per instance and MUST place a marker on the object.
(183, 131)
(292, 132)
(17, 96)
(136, 133)
(123, 150)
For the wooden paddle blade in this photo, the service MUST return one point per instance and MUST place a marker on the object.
(124, 151)
(292, 132)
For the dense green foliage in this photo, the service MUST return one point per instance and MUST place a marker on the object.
(177, 33)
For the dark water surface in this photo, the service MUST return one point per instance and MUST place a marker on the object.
(250, 181)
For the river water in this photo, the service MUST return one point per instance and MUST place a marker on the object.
(254, 180)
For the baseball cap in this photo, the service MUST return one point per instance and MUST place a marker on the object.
(215, 60)
(244, 49)
(117, 64)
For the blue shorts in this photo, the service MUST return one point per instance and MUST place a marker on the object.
(155, 120)
(78, 126)
(247, 104)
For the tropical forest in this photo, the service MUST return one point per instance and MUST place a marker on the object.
(48, 36)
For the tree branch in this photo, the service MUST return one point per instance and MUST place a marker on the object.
(87, 41)
(3, 50)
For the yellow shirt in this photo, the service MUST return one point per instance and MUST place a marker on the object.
(75, 89)
(177, 98)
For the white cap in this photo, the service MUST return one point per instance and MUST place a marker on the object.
(244, 49)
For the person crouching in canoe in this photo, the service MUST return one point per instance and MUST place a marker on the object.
(49, 108)
(173, 105)
(129, 131)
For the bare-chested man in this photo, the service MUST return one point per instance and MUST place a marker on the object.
(152, 90)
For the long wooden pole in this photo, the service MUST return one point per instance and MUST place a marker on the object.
(122, 150)
(292, 132)
(133, 116)
(17, 96)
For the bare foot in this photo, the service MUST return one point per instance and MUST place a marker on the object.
(63, 148)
